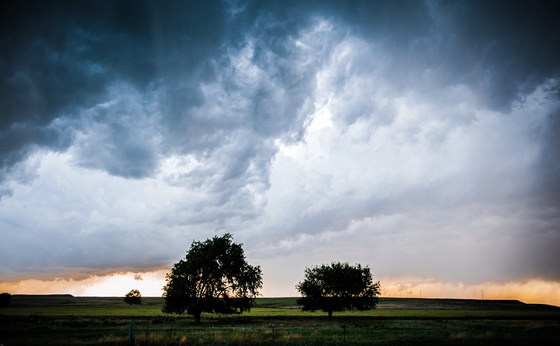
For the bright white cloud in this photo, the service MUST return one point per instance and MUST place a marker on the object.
(451, 171)
(76, 218)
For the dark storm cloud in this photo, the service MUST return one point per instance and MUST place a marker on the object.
(505, 48)
(60, 58)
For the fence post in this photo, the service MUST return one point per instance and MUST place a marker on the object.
(130, 340)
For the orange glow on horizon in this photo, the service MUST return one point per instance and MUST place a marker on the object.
(533, 291)
(150, 284)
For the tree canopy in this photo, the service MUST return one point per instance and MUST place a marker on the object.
(213, 277)
(133, 297)
(338, 287)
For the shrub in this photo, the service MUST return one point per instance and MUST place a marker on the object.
(5, 299)
(133, 297)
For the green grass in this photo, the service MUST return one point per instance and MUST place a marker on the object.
(64, 320)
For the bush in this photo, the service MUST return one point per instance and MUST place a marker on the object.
(5, 299)
(133, 297)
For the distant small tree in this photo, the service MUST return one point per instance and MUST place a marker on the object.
(133, 297)
(213, 277)
(5, 299)
(338, 287)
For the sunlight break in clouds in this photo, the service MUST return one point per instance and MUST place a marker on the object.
(111, 285)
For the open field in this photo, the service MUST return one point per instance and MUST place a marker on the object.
(67, 320)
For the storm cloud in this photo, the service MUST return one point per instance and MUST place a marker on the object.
(420, 138)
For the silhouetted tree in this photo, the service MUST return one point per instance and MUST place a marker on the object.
(213, 277)
(5, 299)
(338, 287)
(133, 297)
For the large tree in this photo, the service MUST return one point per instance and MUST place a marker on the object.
(213, 277)
(338, 287)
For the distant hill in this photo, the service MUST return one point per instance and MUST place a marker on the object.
(42, 295)
(424, 304)
(457, 304)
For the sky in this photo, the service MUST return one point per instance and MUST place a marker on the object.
(419, 138)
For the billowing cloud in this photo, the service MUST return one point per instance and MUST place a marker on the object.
(417, 137)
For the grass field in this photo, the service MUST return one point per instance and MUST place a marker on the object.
(67, 320)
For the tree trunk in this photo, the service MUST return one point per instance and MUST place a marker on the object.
(330, 315)
(197, 317)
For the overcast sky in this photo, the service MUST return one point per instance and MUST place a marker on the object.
(420, 138)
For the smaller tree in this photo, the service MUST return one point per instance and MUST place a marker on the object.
(5, 299)
(338, 287)
(133, 297)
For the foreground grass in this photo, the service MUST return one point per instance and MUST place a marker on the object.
(105, 321)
